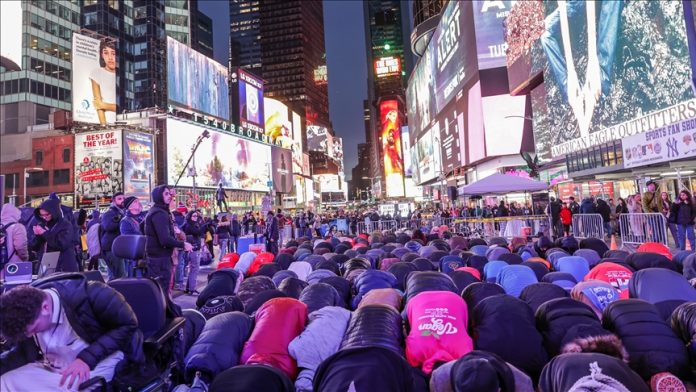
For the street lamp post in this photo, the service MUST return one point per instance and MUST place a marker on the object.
(26, 174)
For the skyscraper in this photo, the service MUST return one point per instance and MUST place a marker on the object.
(35, 67)
(426, 15)
(245, 35)
(202, 33)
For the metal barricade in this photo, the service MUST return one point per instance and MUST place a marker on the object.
(588, 226)
(636, 229)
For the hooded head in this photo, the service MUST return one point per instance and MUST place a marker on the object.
(10, 214)
(53, 196)
(158, 195)
(52, 206)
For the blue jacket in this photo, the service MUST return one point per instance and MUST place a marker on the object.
(130, 225)
(110, 227)
(272, 229)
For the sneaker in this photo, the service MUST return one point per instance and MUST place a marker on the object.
(666, 382)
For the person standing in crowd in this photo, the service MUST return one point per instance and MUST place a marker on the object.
(235, 232)
(93, 241)
(566, 216)
(281, 227)
(666, 207)
(683, 214)
(110, 229)
(573, 205)
(272, 233)
(161, 240)
(53, 233)
(301, 223)
(612, 215)
(651, 206)
(14, 235)
(555, 212)
(634, 207)
(194, 230)
(250, 225)
(588, 206)
(223, 231)
(317, 226)
(221, 198)
(131, 225)
(604, 210)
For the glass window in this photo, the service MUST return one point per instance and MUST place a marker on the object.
(113, 4)
(39, 178)
(11, 180)
(38, 157)
(61, 177)
(90, 18)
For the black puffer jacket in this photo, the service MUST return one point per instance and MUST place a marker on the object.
(374, 326)
(319, 295)
(428, 281)
(589, 372)
(220, 282)
(555, 317)
(159, 228)
(651, 344)
(57, 238)
(110, 227)
(538, 293)
(98, 314)
(684, 325)
(195, 231)
(219, 345)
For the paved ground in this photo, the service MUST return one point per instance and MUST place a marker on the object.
(189, 301)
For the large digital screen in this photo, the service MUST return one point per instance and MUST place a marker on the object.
(614, 69)
(251, 102)
(503, 117)
(281, 159)
(390, 141)
(11, 32)
(220, 159)
(476, 135)
(297, 144)
(337, 153)
(406, 150)
(426, 157)
(453, 135)
(319, 139)
(448, 63)
(300, 191)
(197, 82)
(94, 65)
(98, 164)
(387, 66)
(278, 125)
(489, 17)
(328, 182)
(138, 164)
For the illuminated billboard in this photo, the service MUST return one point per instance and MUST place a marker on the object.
(251, 102)
(337, 153)
(425, 157)
(321, 75)
(220, 159)
(196, 82)
(278, 125)
(138, 164)
(390, 142)
(98, 164)
(297, 144)
(94, 65)
(489, 17)
(503, 118)
(281, 159)
(11, 32)
(633, 77)
(319, 139)
(387, 66)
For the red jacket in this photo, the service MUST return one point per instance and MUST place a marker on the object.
(566, 216)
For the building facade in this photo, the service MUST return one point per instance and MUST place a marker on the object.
(245, 36)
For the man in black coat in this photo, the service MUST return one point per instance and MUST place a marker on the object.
(272, 233)
(110, 229)
(65, 330)
(161, 240)
(53, 233)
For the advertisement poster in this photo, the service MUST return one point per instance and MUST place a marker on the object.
(297, 145)
(426, 158)
(503, 117)
(337, 153)
(675, 141)
(489, 19)
(278, 125)
(282, 174)
(390, 140)
(11, 32)
(250, 101)
(220, 159)
(406, 150)
(197, 82)
(300, 191)
(319, 139)
(94, 80)
(613, 73)
(138, 164)
(98, 164)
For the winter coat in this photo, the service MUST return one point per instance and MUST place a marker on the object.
(566, 216)
(222, 282)
(643, 260)
(374, 326)
(651, 344)
(505, 325)
(604, 210)
(650, 202)
(587, 207)
(130, 225)
(391, 297)
(16, 234)
(514, 278)
(159, 228)
(438, 322)
(58, 237)
(252, 286)
(245, 261)
(589, 372)
(195, 231)
(682, 214)
(251, 378)
(555, 317)
(320, 295)
(342, 286)
(370, 280)
(574, 265)
(301, 268)
(110, 227)
(616, 275)
(278, 322)
(272, 232)
(97, 313)
(661, 287)
(223, 230)
(221, 304)
(219, 345)
(428, 281)
(292, 287)
(320, 340)
(536, 294)
(261, 298)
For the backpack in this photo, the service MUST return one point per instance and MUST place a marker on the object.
(4, 257)
(93, 242)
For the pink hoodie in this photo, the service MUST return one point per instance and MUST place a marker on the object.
(438, 321)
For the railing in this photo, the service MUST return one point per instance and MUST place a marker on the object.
(588, 226)
(636, 229)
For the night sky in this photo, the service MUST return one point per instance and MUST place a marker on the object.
(346, 62)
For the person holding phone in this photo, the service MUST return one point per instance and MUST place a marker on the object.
(53, 233)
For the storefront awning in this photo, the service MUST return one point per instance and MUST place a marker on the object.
(499, 184)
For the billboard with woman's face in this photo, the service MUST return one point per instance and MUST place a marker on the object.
(390, 140)
(94, 80)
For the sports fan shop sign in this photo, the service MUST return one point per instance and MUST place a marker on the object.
(668, 143)
(98, 165)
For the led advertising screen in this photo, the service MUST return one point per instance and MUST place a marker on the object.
(319, 139)
(476, 135)
(447, 64)
(328, 182)
(297, 144)
(11, 33)
(390, 141)
(614, 69)
(503, 116)
(337, 153)
(281, 160)
(98, 164)
(251, 101)
(138, 164)
(94, 65)
(426, 157)
(197, 82)
(309, 188)
(387, 66)
(278, 125)
(406, 150)
(489, 17)
(220, 159)
(300, 191)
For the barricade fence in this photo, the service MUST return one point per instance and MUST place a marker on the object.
(636, 229)
(589, 226)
